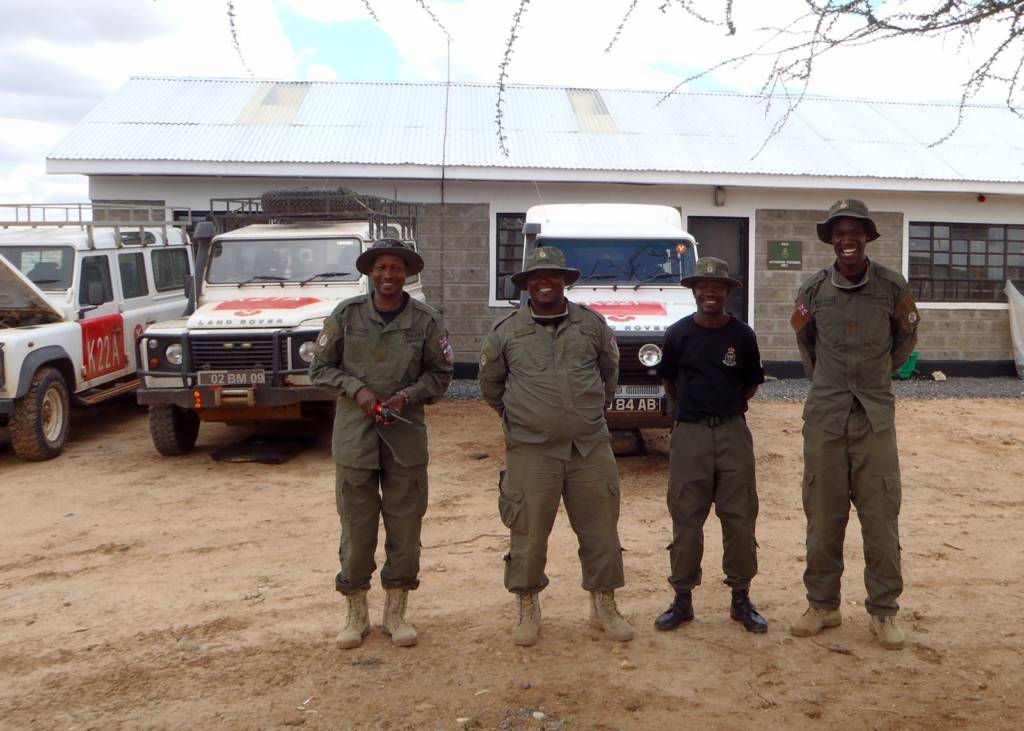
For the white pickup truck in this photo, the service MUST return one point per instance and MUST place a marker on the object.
(268, 276)
(74, 290)
(631, 258)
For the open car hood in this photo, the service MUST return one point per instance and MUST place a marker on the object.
(20, 298)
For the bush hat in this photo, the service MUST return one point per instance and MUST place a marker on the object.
(847, 208)
(545, 257)
(412, 260)
(710, 269)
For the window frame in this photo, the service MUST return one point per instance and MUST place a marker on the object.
(935, 250)
(140, 273)
(157, 274)
(505, 266)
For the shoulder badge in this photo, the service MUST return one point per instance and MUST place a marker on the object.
(907, 314)
(800, 316)
(446, 349)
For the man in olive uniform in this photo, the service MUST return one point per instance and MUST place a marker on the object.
(856, 324)
(549, 370)
(381, 350)
(711, 367)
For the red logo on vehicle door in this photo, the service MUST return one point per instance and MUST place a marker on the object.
(103, 345)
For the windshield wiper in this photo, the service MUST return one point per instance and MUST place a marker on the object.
(654, 278)
(263, 277)
(590, 277)
(44, 281)
(323, 275)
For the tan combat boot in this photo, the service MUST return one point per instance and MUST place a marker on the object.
(815, 620)
(358, 625)
(604, 615)
(527, 627)
(888, 631)
(394, 624)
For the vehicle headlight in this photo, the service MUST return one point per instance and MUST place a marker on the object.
(306, 351)
(173, 354)
(650, 355)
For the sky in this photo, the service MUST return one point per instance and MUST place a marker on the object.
(59, 59)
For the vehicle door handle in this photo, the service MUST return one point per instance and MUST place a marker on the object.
(117, 330)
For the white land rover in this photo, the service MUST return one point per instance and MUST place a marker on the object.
(262, 291)
(73, 292)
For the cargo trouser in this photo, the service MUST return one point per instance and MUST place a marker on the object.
(531, 488)
(862, 466)
(400, 495)
(712, 462)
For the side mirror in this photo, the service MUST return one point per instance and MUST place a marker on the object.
(95, 295)
(509, 291)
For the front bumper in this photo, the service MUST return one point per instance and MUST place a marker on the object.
(233, 398)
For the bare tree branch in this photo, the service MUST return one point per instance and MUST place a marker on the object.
(234, 37)
(517, 20)
(433, 17)
(369, 9)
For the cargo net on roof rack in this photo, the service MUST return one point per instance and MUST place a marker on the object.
(385, 217)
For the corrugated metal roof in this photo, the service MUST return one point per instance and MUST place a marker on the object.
(377, 123)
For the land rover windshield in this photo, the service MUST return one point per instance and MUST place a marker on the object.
(50, 268)
(283, 260)
(628, 262)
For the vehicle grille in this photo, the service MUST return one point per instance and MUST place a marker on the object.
(631, 370)
(237, 351)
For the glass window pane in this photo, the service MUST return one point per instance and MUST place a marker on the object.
(960, 245)
(95, 269)
(170, 267)
(958, 273)
(940, 232)
(995, 273)
(941, 258)
(920, 244)
(996, 247)
(996, 234)
(977, 260)
(1015, 234)
(924, 232)
(978, 246)
(940, 272)
(1015, 260)
(133, 275)
(941, 245)
(960, 260)
(1015, 247)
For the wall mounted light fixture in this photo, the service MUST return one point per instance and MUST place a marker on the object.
(719, 196)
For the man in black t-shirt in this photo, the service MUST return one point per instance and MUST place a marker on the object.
(711, 367)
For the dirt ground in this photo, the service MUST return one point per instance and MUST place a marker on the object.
(141, 592)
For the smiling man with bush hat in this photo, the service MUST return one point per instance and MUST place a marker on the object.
(855, 324)
(549, 370)
(711, 368)
(381, 350)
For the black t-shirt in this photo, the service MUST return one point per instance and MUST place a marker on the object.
(392, 315)
(712, 367)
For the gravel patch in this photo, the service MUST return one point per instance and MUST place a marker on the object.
(795, 389)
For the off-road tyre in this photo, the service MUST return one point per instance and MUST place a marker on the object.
(174, 429)
(311, 202)
(39, 422)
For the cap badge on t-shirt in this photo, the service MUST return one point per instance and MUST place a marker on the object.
(730, 357)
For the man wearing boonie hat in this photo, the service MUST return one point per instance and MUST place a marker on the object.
(855, 324)
(381, 349)
(711, 368)
(549, 370)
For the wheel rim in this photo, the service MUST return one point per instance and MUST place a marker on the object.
(53, 415)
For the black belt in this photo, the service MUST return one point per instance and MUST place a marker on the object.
(713, 421)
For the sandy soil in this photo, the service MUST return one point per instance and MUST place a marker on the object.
(140, 592)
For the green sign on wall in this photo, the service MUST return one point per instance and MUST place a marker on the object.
(785, 255)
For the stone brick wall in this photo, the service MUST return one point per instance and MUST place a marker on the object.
(455, 249)
(965, 335)
(775, 290)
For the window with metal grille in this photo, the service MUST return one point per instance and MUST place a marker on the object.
(959, 262)
(509, 259)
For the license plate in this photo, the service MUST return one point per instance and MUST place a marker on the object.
(241, 377)
(636, 403)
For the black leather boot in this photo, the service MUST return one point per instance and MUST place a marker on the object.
(743, 611)
(679, 613)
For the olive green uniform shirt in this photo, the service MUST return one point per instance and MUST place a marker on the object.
(551, 383)
(852, 337)
(357, 348)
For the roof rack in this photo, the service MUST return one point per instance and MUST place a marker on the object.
(316, 206)
(135, 218)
